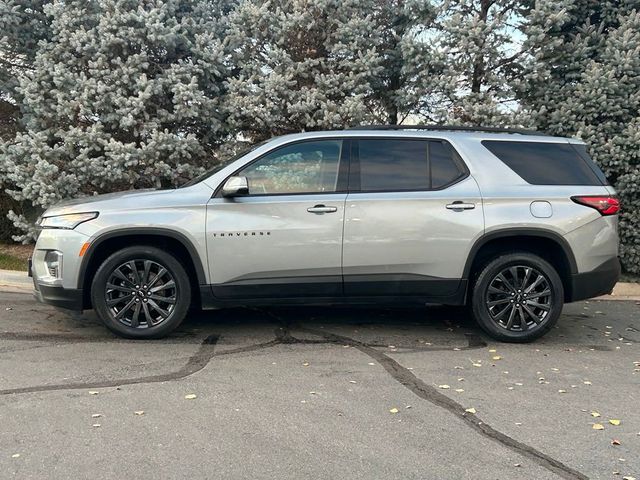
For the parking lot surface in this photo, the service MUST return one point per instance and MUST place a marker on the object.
(319, 393)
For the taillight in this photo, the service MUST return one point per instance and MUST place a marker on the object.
(605, 205)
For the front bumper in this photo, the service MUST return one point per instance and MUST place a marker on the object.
(599, 281)
(69, 299)
(62, 289)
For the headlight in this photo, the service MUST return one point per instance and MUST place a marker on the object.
(68, 222)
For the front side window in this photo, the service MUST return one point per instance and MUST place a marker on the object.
(306, 167)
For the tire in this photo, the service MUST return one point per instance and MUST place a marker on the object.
(510, 312)
(161, 303)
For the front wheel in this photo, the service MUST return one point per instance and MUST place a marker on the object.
(141, 292)
(517, 297)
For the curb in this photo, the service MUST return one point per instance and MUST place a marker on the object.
(11, 279)
(15, 279)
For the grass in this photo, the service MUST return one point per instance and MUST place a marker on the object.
(14, 257)
(10, 262)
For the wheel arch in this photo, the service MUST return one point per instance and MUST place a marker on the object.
(106, 244)
(548, 245)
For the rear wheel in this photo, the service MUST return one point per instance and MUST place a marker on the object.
(517, 297)
(141, 292)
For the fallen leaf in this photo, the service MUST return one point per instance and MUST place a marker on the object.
(96, 425)
(518, 465)
(305, 364)
(190, 396)
(476, 364)
(492, 350)
(470, 410)
(139, 412)
(598, 426)
(352, 381)
(587, 382)
(93, 392)
(459, 390)
(393, 410)
(628, 478)
(496, 357)
(614, 421)
(96, 415)
(15, 455)
(444, 387)
(615, 442)
(562, 391)
(595, 414)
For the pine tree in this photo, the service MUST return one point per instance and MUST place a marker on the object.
(125, 94)
(301, 65)
(584, 81)
(477, 57)
(23, 24)
(401, 39)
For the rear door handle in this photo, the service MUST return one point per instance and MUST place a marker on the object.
(459, 205)
(322, 209)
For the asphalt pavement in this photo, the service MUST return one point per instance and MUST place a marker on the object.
(319, 393)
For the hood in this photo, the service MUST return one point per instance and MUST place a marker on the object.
(101, 198)
(114, 201)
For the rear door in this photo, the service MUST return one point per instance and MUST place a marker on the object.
(412, 215)
(284, 239)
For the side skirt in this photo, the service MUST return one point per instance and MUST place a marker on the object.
(457, 297)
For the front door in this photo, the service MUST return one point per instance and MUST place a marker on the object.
(283, 239)
(412, 216)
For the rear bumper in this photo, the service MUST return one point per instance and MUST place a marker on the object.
(69, 299)
(599, 281)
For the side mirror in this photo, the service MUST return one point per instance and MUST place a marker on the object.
(235, 186)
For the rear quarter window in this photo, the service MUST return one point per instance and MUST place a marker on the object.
(542, 163)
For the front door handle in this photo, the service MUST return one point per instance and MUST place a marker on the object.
(460, 205)
(322, 209)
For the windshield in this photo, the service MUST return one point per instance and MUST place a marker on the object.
(222, 164)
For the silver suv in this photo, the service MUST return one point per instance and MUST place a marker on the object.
(511, 223)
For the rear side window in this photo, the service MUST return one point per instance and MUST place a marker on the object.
(582, 151)
(393, 165)
(546, 163)
(399, 164)
(446, 166)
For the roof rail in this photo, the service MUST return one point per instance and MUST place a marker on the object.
(453, 128)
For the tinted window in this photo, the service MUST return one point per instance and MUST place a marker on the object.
(393, 165)
(308, 167)
(544, 163)
(444, 169)
(582, 151)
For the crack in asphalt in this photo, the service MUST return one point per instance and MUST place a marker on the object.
(406, 378)
(206, 352)
(195, 363)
